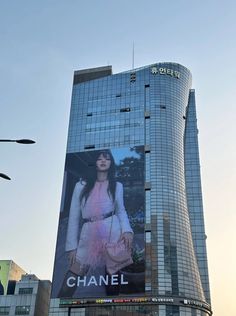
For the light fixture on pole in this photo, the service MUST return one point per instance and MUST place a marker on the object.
(19, 141)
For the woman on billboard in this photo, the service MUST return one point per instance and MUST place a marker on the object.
(97, 206)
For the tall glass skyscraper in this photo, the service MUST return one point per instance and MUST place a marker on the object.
(144, 119)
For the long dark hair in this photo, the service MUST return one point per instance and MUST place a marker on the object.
(91, 177)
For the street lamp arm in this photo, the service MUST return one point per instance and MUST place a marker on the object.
(7, 140)
(19, 141)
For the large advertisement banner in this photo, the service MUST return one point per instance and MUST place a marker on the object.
(100, 246)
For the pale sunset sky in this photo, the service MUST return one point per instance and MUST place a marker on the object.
(43, 42)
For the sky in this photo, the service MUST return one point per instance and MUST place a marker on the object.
(43, 42)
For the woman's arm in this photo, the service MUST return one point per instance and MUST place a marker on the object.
(120, 210)
(126, 231)
(74, 219)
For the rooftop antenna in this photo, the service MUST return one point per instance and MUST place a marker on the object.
(133, 57)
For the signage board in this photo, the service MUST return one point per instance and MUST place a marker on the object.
(100, 248)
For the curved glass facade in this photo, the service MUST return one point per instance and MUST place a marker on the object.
(153, 107)
(177, 270)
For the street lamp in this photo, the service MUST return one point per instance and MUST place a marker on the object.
(19, 141)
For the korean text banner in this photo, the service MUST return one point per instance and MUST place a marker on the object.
(100, 248)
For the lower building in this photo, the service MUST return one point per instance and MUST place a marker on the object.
(30, 296)
(10, 272)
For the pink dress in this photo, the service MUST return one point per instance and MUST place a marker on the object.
(94, 235)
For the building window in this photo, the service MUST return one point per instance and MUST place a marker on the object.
(147, 186)
(148, 287)
(148, 207)
(25, 290)
(22, 310)
(89, 146)
(147, 114)
(125, 110)
(148, 237)
(4, 310)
